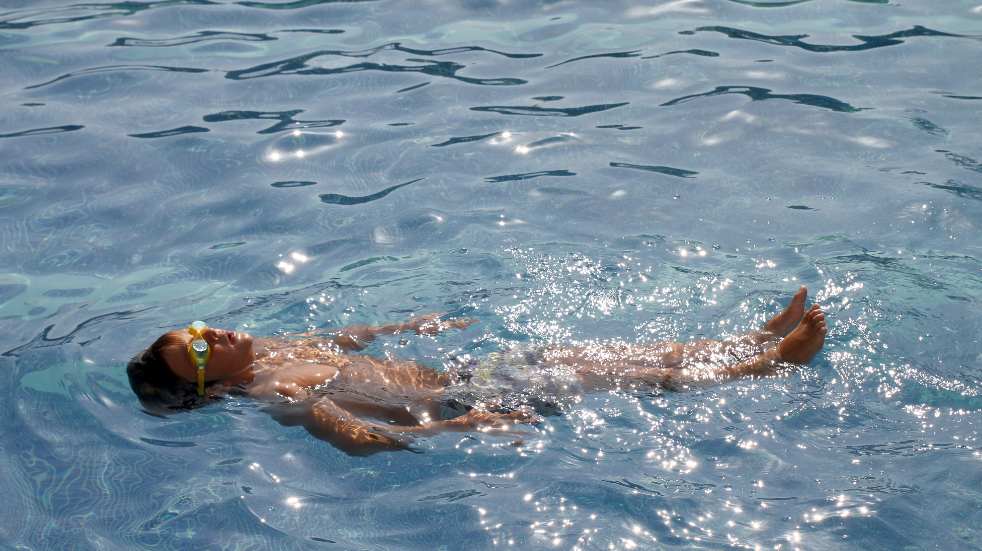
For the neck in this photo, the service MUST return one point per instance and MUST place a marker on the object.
(249, 373)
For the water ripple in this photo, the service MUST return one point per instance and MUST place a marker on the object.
(632, 53)
(906, 448)
(293, 183)
(537, 111)
(679, 172)
(868, 42)
(172, 132)
(44, 131)
(300, 65)
(337, 199)
(761, 94)
(413, 87)
(465, 139)
(528, 176)
(285, 118)
(959, 189)
(773, 4)
(928, 126)
(692, 51)
(296, 4)
(963, 161)
(45, 340)
(25, 19)
(201, 36)
(619, 127)
(117, 68)
(956, 96)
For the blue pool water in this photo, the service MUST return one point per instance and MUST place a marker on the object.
(559, 171)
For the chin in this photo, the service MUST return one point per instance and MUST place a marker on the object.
(244, 340)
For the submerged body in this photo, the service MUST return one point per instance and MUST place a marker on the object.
(362, 403)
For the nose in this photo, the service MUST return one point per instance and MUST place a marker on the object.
(211, 335)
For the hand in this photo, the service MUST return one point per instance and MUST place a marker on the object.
(354, 337)
(490, 421)
(370, 440)
(431, 324)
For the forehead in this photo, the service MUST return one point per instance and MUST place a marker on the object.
(179, 336)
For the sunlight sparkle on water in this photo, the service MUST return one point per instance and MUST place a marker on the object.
(294, 502)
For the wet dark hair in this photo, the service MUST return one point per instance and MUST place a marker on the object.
(156, 385)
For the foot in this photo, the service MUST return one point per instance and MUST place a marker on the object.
(806, 340)
(782, 323)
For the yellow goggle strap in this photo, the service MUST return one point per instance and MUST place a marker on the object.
(201, 381)
(199, 352)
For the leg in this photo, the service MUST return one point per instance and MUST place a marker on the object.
(799, 347)
(749, 344)
(781, 324)
(605, 366)
(675, 365)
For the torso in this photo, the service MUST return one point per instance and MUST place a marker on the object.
(384, 388)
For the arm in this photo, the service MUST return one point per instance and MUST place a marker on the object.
(357, 337)
(349, 433)
(353, 435)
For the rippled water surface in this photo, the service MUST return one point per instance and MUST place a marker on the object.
(560, 171)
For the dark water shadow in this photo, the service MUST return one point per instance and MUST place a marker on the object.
(465, 139)
(299, 65)
(536, 111)
(196, 38)
(616, 55)
(172, 132)
(693, 51)
(338, 199)
(44, 131)
(670, 171)
(761, 94)
(117, 68)
(964, 191)
(528, 176)
(285, 118)
(795, 40)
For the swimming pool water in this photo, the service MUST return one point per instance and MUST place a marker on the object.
(560, 171)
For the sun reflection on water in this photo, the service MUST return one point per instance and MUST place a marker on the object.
(666, 446)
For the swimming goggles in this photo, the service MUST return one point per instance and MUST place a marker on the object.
(199, 352)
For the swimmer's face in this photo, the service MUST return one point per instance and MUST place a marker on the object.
(231, 354)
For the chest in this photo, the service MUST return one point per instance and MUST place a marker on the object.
(291, 374)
